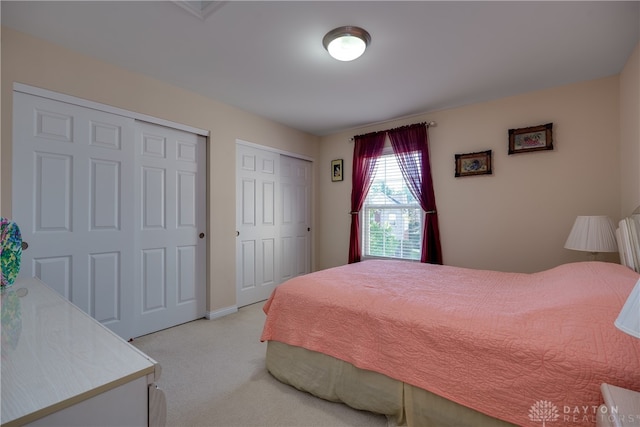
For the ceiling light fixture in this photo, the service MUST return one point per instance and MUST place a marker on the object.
(346, 43)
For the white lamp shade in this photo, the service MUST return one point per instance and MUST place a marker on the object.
(346, 48)
(629, 318)
(592, 234)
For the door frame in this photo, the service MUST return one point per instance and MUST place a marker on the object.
(69, 99)
(276, 151)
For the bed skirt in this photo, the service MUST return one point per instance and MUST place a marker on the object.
(338, 381)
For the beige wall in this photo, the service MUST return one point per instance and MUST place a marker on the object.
(630, 133)
(518, 218)
(38, 63)
(515, 220)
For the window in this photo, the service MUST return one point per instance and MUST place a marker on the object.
(392, 220)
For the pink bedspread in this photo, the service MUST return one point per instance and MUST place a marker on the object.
(500, 343)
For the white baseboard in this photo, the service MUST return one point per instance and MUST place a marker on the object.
(211, 315)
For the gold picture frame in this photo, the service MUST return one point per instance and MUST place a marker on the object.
(336, 170)
(534, 138)
(470, 164)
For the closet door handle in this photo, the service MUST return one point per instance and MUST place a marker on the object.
(201, 235)
(24, 246)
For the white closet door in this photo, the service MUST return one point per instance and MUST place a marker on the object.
(73, 201)
(257, 247)
(113, 211)
(170, 222)
(295, 220)
(273, 218)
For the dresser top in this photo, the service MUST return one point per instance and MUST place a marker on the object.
(54, 355)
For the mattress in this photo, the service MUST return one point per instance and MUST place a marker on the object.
(508, 345)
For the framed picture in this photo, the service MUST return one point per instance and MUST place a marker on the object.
(473, 164)
(534, 138)
(336, 170)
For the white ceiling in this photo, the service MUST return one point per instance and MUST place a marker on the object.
(267, 57)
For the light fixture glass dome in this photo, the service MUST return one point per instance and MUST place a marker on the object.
(346, 43)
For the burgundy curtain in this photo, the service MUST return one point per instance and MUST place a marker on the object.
(411, 147)
(366, 151)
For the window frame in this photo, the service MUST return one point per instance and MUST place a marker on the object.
(364, 221)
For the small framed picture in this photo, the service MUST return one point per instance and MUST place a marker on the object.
(473, 164)
(336, 170)
(534, 138)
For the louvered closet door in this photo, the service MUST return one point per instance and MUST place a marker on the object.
(170, 194)
(73, 200)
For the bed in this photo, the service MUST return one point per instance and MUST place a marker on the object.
(433, 345)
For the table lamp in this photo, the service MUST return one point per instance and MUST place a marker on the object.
(593, 234)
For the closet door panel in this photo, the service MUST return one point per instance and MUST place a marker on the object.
(73, 201)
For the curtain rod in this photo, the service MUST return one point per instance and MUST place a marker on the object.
(429, 124)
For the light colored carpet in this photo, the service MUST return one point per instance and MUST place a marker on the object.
(213, 374)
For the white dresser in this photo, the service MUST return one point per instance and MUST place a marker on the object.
(61, 367)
